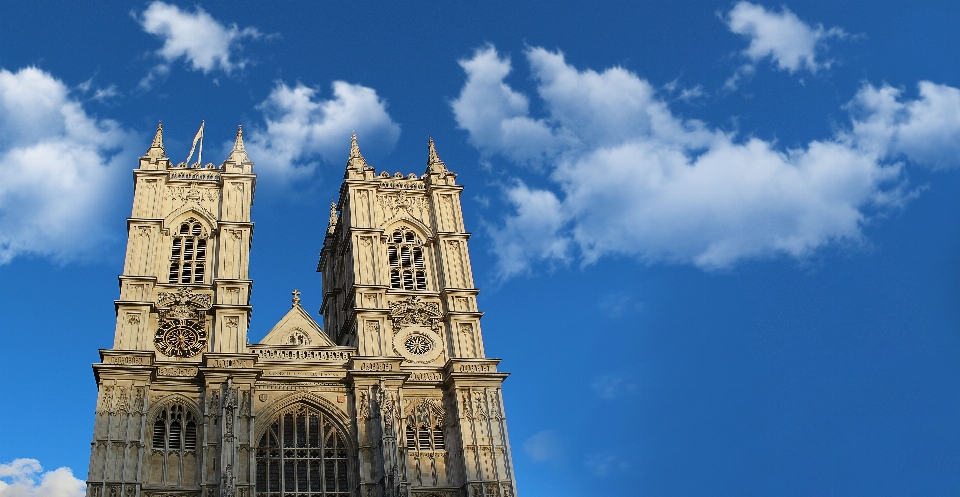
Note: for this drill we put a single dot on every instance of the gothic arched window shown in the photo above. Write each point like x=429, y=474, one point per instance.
x=302, y=454
x=405, y=252
x=188, y=255
x=175, y=429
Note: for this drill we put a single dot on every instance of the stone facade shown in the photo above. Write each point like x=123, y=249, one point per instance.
x=394, y=398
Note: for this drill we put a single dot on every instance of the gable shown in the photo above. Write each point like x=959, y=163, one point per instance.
x=296, y=327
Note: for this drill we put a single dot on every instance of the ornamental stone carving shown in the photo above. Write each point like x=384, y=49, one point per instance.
x=414, y=311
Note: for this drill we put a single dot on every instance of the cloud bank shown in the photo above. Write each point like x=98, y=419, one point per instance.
x=26, y=478
x=300, y=127
x=625, y=176
x=56, y=162
x=203, y=42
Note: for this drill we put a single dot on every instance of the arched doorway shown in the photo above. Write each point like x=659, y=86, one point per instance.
x=302, y=454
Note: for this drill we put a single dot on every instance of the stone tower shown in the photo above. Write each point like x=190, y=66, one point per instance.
x=395, y=398
x=184, y=307
x=398, y=287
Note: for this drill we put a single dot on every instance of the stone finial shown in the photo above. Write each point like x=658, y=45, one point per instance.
x=332, y=225
x=156, y=148
x=434, y=164
x=296, y=297
x=239, y=154
x=356, y=160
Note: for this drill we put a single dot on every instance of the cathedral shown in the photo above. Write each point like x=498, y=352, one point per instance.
x=392, y=397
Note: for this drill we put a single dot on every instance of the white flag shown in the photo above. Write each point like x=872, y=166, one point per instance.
x=198, y=138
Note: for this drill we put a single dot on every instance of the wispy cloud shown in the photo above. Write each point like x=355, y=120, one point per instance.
x=606, y=463
x=625, y=176
x=56, y=162
x=544, y=446
x=618, y=304
x=611, y=386
x=203, y=42
x=26, y=478
x=301, y=128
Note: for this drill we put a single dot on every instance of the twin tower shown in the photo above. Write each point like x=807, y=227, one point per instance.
x=392, y=397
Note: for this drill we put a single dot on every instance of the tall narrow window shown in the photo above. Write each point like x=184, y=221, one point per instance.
x=405, y=254
x=438, y=437
x=188, y=254
x=160, y=430
x=190, y=436
x=411, y=438
x=423, y=437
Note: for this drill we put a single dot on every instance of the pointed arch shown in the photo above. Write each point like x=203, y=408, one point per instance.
x=406, y=219
x=174, y=398
x=303, y=446
x=191, y=209
x=267, y=415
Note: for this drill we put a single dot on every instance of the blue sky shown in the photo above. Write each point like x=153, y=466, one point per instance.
x=718, y=242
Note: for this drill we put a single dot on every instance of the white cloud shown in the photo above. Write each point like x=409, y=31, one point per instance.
x=300, y=127
x=496, y=116
x=541, y=447
x=56, y=162
x=927, y=130
x=534, y=233
x=790, y=42
x=632, y=178
x=196, y=36
x=23, y=478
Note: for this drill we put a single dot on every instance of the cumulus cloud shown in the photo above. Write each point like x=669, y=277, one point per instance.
x=56, y=162
x=201, y=40
x=498, y=117
x=781, y=36
x=925, y=130
x=26, y=478
x=534, y=233
x=301, y=127
x=631, y=178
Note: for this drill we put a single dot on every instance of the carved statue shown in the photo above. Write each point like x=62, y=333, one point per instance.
x=332, y=226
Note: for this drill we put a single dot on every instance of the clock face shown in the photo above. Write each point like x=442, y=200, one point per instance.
x=181, y=338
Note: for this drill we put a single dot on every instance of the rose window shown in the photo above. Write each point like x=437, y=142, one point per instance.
x=418, y=344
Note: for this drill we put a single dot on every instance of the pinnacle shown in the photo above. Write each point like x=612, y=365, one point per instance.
x=434, y=164
x=156, y=148
x=354, y=147
x=238, y=145
x=239, y=154
x=158, y=138
x=356, y=160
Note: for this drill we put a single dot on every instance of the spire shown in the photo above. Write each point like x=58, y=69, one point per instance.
x=156, y=148
x=356, y=160
x=239, y=154
x=332, y=226
x=158, y=138
x=434, y=164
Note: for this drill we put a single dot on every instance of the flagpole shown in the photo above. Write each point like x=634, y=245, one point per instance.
x=200, y=154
